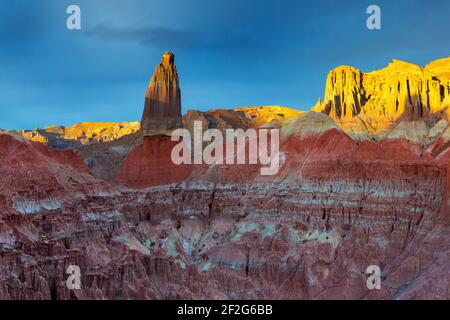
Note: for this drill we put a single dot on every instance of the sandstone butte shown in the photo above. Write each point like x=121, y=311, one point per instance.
x=340, y=203
x=370, y=104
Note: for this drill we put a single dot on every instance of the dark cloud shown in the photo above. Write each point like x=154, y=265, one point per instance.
x=166, y=37
x=149, y=35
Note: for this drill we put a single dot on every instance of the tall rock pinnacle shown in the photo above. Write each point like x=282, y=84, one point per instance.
x=162, y=111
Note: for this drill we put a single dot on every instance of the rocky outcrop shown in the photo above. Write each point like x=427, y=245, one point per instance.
x=268, y=115
x=161, y=231
x=104, y=146
x=104, y=159
x=150, y=164
x=81, y=134
x=162, y=110
x=336, y=207
x=440, y=67
x=31, y=170
x=365, y=104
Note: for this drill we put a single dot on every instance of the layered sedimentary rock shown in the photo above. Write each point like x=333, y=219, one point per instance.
x=336, y=207
x=105, y=145
x=81, y=134
x=31, y=170
x=162, y=110
x=150, y=164
x=102, y=145
x=370, y=103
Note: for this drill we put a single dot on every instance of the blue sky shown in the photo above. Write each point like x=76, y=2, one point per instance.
x=228, y=53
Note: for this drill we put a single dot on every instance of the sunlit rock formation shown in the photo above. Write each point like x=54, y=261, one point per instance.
x=162, y=110
x=83, y=133
x=105, y=145
x=150, y=162
x=336, y=206
x=260, y=116
x=102, y=145
x=365, y=104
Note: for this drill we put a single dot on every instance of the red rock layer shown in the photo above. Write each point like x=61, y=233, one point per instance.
x=33, y=169
x=311, y=235
x=313, y=240
x=444, y=159
x=150, y=164
x=336, y=207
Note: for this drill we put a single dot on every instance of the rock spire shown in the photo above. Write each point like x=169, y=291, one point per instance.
x=162, y=111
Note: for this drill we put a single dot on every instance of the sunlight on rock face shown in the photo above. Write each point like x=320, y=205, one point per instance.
x=366, y=104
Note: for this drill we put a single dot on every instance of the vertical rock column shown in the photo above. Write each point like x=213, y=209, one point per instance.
x=162, y=110
x=150, y=164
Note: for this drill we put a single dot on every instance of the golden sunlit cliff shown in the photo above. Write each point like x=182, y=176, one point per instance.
x=372, y=103
x=82, y=133
x=262, y=115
